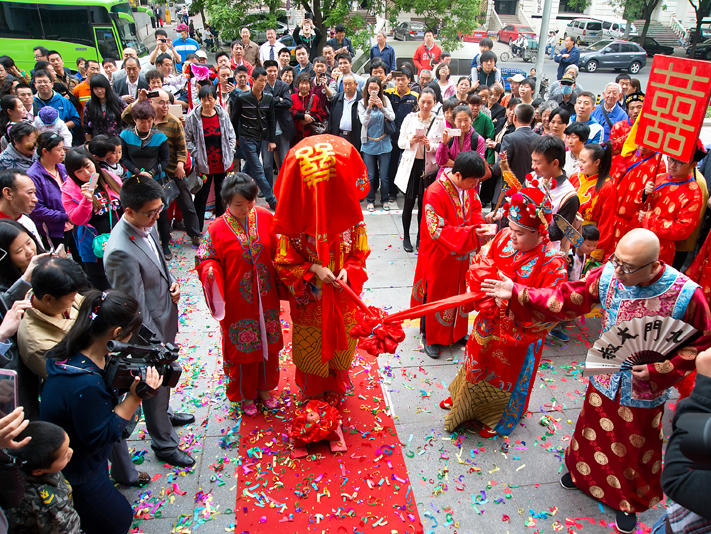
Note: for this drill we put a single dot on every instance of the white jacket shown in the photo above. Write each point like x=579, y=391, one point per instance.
x=409, y=127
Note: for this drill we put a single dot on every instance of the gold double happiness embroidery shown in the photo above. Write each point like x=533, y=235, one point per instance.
x=317, y=163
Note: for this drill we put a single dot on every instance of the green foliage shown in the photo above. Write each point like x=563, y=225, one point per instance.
x=579, y=4
x=462, y=17
x=225, y=15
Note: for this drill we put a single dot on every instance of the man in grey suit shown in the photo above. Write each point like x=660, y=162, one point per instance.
x=135, y=265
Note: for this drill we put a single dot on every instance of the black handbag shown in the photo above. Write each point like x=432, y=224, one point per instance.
x=170, y=191
x=317, y=127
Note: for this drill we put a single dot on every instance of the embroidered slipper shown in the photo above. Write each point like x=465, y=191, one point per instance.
x=270, y=402
x=487, y=432
x=249, y=408
x=446, y=404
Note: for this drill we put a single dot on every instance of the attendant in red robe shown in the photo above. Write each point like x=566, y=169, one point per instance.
x=234, y=263
x=630, y=184
x=598, y=204
x=502, y=355
x=700, y=269
x=450, y=232
x=674, y=204
x=615, y=453
x=618, y=135
x=321, y=245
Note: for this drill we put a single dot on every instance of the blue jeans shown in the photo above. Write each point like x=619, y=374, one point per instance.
x=552, y=50
x=251, y=150
x=377, y=166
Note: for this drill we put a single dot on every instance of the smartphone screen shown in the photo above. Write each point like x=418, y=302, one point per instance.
x=152, y=94
x=8, y=391
x=455, y=132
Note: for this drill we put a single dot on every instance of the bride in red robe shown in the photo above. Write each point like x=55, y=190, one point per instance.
x=502, y=354
x=320, y=245
x=234, y=263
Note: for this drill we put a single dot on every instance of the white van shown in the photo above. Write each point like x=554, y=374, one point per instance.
x=615, y=29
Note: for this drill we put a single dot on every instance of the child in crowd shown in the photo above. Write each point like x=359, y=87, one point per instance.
x=47, y=120
x=47, y=502
x=579, y=263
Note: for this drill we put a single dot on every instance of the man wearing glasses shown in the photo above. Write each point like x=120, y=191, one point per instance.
x=134, y=264
x=676, y=205
x=615, y=454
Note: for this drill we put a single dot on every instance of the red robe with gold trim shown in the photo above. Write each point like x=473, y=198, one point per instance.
x=700, y=269
x=244, y=282
x=317, y=373
x=448, y=237
x=615, y=454
x=599, y=207
x=630, y=185
x=674, y=212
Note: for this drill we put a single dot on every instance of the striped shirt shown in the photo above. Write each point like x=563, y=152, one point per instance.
x=173, y=130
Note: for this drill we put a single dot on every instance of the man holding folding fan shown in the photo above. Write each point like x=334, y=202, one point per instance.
x=615, y=454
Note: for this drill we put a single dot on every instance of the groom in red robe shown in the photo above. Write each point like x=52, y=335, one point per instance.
x=450, y=232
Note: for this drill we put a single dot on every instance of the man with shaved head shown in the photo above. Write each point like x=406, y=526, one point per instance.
x=615, y=454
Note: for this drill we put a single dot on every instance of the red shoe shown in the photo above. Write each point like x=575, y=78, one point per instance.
x=487, y=432
x=446, y=404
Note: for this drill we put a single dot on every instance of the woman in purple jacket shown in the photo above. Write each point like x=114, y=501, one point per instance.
x=48, y=174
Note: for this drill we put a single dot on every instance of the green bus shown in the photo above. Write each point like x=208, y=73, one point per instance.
x=92, y=29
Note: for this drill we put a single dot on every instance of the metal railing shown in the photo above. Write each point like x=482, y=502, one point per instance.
x=679, y=30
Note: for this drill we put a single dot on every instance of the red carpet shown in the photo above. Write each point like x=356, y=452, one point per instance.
x=366, y=489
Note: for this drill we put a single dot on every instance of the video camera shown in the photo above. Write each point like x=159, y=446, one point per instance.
x=126, y=361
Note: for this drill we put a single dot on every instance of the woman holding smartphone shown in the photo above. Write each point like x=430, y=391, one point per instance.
x=374, y=110
x=420, y=134
x=91, y=198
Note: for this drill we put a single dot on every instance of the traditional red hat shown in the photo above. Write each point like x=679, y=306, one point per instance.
x=529, y=207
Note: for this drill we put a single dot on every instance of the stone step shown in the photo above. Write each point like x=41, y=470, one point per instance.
x=509, y=19
x=661, y=33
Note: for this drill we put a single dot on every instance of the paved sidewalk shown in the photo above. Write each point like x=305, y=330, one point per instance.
x=461, y=482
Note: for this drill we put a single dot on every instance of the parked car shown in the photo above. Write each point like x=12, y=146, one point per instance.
x=615, y=29
x=474, y=37
x=584, y=31
x=257, y=24
x=614, y=55
x=288, y=42
x=705, y=32
x=459, y=66
x=703, y=50
x=508, y=34
x=412, y=30
x=652, y=47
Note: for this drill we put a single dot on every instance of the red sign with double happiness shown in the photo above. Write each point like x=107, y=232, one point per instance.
x=674, y=106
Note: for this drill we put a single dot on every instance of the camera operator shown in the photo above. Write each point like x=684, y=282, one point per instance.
x=685, y=482
x=134, y=265
x=76, y=398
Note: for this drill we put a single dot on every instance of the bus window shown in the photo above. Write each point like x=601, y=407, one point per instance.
x=67, y=23
x=18, y=20
x=106, y=43
x=128, y=36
